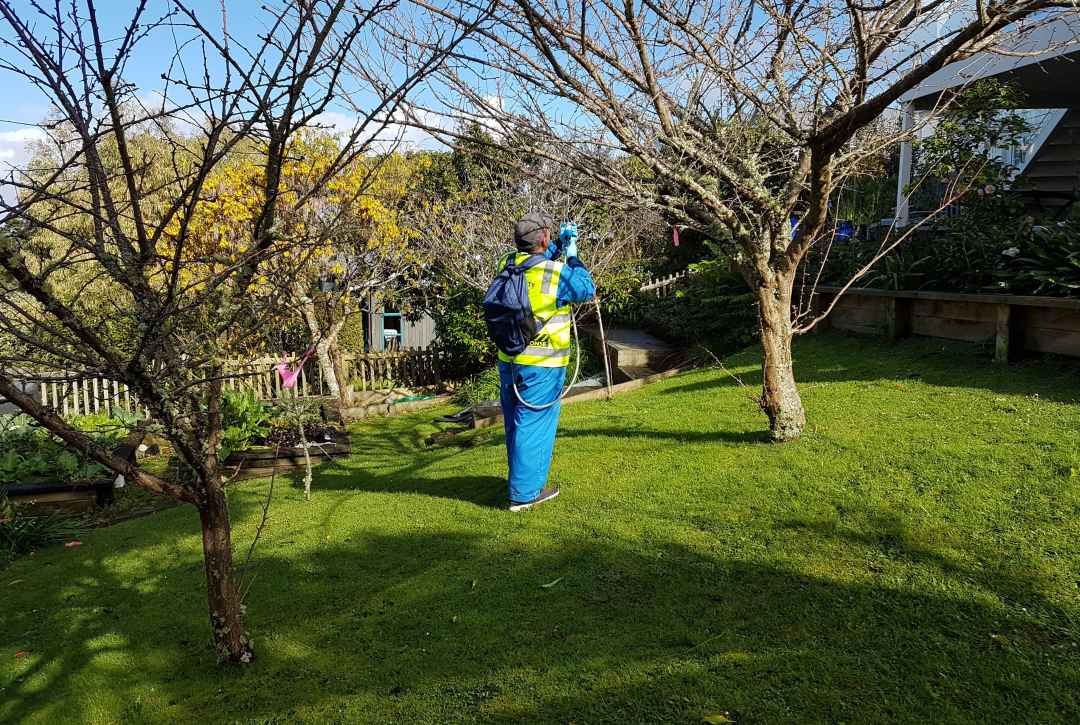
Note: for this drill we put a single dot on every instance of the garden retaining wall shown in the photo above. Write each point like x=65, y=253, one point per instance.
x=1014, y=324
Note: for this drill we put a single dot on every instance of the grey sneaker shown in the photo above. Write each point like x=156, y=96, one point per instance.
x=547, y=494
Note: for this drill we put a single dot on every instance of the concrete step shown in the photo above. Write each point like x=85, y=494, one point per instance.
x=635, y=348
x=625, y=374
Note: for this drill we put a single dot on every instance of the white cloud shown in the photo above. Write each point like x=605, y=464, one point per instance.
x=396, y=134
x=21, y=136
x=15, y=153
x=13, y=145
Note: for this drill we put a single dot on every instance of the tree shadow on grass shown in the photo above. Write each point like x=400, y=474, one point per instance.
x=391, y=460
x=486, y=491
x=839, y=358
x=885, y=535
x=403, y=468
x=79, y=593
x=679, y=436
x=441, y=626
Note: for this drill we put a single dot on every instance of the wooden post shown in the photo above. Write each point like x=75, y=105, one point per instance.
x=898, y=318
x=903, y=209
x=1008, y=333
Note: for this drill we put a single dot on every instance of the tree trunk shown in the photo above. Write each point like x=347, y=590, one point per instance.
x=307, y=462
x=780, y=395
x=326, y=366
x=326, y=351
x=223, y=596
x=344, y=390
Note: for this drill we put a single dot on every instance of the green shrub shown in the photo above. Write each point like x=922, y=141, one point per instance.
x=29, y=452
x=106, y=428
x=714, y=308
x=991, y=246
x=20, y=534
x=480, y=388
x=1048, y=260
x=244, y=419
x=461, y=335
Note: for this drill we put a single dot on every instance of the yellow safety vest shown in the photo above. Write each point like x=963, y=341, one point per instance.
x=551, y=346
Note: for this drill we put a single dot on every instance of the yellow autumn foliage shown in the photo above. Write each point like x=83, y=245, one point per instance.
x=323, y=207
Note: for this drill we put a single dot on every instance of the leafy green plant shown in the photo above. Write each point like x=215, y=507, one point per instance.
x=990, y=246
x=244, y=420
x=618, y=288
x=108, y=428
x=29, y=452
x=714, y=308
x=460, y=333
x=981, y=119
x=1048, y=261
x=480, y=388
x=21, y=534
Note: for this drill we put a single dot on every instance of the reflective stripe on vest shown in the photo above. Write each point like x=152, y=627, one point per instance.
x=551, y=346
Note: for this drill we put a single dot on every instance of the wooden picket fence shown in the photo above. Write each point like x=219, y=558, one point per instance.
x=663, y=286
x=367, y=371
x=407, y=369
x=87, y=396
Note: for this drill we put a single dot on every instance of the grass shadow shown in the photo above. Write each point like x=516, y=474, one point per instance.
x=443, y=627
x=837, y=358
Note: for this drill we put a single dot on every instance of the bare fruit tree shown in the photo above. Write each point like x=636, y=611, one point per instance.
x=740, y=114
x=107, y=266
x=467, y=235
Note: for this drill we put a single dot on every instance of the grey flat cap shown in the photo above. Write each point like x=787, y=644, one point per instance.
x=529, y=229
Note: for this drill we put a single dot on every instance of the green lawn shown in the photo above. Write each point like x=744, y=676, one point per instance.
x=914, y=558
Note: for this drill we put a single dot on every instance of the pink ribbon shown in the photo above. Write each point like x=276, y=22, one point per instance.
x=675, y=235
x=288, y=374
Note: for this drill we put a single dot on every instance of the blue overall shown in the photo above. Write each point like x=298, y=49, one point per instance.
x=530, y=433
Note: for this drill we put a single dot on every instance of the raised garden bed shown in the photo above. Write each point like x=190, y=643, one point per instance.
x=1014, y=324
x=74, y=496
x=262, y=461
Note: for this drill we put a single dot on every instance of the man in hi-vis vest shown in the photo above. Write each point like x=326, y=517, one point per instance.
x=539, y=371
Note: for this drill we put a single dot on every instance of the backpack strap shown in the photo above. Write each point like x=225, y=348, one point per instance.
x=529, y=263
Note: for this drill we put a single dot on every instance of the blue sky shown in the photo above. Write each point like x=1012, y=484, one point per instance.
x=23, y=105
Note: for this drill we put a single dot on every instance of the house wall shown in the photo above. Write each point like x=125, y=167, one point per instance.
x=418, y=334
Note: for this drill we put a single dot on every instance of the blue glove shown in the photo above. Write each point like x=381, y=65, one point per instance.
x=568, y=239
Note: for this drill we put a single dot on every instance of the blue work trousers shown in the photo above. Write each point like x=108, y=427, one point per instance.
x=530, y=433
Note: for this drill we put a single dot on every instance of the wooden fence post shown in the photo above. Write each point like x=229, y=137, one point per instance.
x=898, y=318
x=1009, y=333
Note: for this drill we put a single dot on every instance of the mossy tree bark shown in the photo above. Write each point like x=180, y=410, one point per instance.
x=780, y=397
x=222, y=593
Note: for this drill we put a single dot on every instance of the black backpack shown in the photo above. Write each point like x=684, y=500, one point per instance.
x=507, y=310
